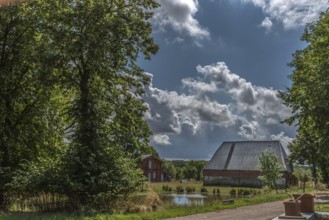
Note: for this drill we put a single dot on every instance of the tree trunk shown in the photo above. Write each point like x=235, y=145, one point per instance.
x=314, y=174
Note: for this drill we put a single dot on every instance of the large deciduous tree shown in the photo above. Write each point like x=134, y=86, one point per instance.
x=309, y=94
x=96, y=45
x=69, y=78
x=28, y=112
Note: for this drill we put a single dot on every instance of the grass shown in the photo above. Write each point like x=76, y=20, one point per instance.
x=165, y=212
x=160, y=214
x=183, y=211
x=157, y=187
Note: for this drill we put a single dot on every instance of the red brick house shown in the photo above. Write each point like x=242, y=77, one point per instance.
x=237, y=164
x=152, y=168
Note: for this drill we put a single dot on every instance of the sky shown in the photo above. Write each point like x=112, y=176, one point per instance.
x=220, y=66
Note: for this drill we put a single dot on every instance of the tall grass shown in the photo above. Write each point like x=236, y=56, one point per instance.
x=159, y=214
x=41, y=202
x=136, y=205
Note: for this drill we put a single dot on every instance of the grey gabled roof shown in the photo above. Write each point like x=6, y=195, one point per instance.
x=243, y=155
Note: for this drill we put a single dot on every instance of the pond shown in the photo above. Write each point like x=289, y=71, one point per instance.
x=177, y=199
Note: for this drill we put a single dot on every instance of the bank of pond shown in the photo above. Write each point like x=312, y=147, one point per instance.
x=161, y=201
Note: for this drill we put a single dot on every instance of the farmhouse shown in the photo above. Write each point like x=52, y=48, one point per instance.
x=236, y=164
x=152, y=168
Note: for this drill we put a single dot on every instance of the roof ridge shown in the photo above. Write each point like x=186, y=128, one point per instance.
x=252, y=141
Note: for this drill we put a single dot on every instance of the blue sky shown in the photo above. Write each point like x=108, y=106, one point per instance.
x=219, y=67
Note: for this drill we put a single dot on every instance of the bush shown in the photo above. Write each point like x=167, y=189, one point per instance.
x=166, y=188
x=233, y=192
x=179, y=189
x=190, y=189
x=244, y=192
x=203, y=190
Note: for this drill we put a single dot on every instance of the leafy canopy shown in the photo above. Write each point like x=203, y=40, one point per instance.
x=308, y=96
x=270, y=169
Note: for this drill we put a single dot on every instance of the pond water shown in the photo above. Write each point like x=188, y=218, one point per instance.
x=176, y=199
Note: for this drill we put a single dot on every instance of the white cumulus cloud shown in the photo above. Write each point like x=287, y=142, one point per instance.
x=267, y=24
x=161, y=139
x=285, y=140
x=291, y=13
x=215, y=103
x=180, y=15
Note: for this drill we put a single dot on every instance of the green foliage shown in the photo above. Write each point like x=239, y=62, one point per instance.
x=190, y=172
x=308, y=97
x=305, y=149
x=179, y=189
x=71, y=108
x=203, y=190
x=30, y=125
x=190, y=189
x=270, y=169
x=159, y=214
x=166, y=188
x=169, y=167
x=186, y=169
x=233, y=192
x=179, y=174
x=303, y=175
x=246, y=192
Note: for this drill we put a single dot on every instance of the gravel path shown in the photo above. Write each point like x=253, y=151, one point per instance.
x=262, y=211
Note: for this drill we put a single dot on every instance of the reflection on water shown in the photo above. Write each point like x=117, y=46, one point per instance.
x=186, y=199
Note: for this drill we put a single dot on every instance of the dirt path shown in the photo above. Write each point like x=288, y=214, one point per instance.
x=263, y=211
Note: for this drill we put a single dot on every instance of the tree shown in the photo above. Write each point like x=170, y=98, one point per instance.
x=29, y=126
x=95, y=45
x=190, y=171
x=86, y=50
x=270, y=169
x=168, y=167
x=199, y=165
x=305, y=150
x=309, y=94
x=303, y=175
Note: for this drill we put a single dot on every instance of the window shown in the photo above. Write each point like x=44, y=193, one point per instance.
x=150, y=164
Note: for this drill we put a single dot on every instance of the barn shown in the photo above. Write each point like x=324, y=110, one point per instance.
x=236, y=164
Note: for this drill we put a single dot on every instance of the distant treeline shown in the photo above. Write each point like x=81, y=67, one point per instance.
x=182, y=169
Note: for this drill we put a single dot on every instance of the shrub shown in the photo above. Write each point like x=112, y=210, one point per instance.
x=179, y=189
x=190, y=189
x=203, y=190
x=166, y=188
x=233, y=192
